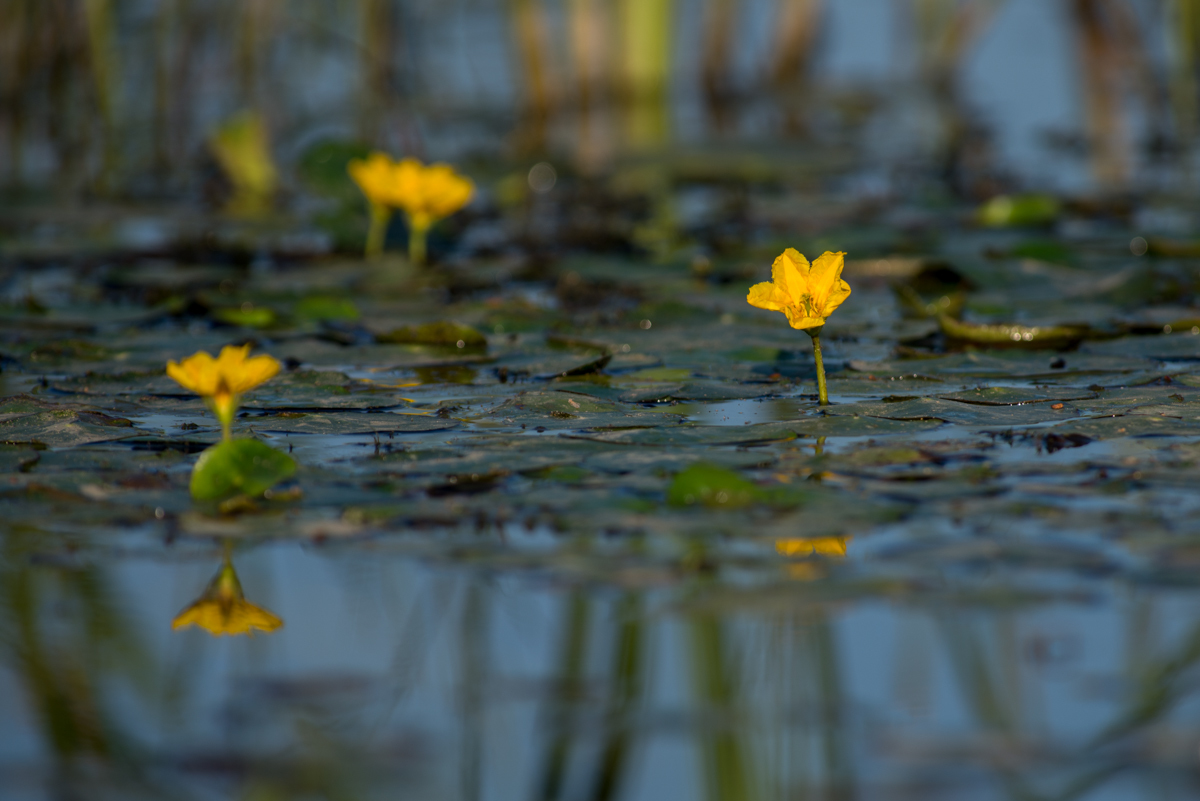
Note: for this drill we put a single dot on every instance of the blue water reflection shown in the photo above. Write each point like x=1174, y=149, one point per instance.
x=393, y=676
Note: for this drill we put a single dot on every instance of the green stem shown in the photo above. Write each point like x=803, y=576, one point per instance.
x=822, y=390
x=416, y=242
x=379, y=221
x=224, y=414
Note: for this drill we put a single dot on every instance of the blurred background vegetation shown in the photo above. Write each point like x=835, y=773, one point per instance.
x=128, y=99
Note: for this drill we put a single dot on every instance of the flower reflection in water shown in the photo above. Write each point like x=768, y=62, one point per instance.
x=223, y=608
x=810, y=546
x=803, y=547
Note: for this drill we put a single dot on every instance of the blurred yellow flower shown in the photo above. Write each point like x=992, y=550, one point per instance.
x=374, y=177
x=222, y=381
x=810, y=546
x=807, y=294
x=223, y=608
x=425, y=194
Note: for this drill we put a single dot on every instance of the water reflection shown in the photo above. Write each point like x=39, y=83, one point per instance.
x=223, y=608
x=398, y=677
x=808, y=546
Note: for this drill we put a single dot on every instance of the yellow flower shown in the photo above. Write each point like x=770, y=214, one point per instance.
x=222, y=381
x=425, y=194
x=223, y=608
x=806, y=294
x=809, y=546
x=374, y=178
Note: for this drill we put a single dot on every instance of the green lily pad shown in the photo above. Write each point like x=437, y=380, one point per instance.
x=445, y=333
x=1006, y=211
x=239, y=467
x=710, y=485
x=1033, y=337
x=247, y=315
x=322, y=308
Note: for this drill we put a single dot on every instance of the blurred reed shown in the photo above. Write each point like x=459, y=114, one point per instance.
x=531, y=38
x=716, y=63
x=944, y=31
x=797, y=23
x=97, y=94
x=1113, y=65
x=1100, y=57
x=727, y=772
x=56, y=626
x=646, y=28
x=590, y=35
x=1183, y=35
x=563, y=704
x=379, y=44
x=105, y=76
x=624, y=699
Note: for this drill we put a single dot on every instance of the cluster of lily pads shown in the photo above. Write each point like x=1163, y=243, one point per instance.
x=233, y=471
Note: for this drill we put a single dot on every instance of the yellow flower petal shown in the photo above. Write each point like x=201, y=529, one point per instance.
x=222, y=381
x=240, y=374
x=373, y=176
x=197, y=373
x=425, y=194
x=764, y=296
x=800, y=320
x=825, y=277
x=806, y=293
x=790, y=273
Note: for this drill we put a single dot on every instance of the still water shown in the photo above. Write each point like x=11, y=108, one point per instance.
x=398, y=676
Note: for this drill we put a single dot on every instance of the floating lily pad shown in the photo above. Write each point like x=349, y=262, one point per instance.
x=713, y=486
x=239, y=467
x=448, y=334
x=1019, y=210
x=323, y=308
x=1054, y=337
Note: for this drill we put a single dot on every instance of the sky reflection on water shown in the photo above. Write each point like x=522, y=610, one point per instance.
x=392, y=675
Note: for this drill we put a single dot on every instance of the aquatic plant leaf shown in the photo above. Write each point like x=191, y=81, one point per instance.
x=445, y=333
x=64, y=427
x=322, y=308
x=247, y=315
x=713, y=486
x=239, y=467
x=1005, y=211
x=1055, y=337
